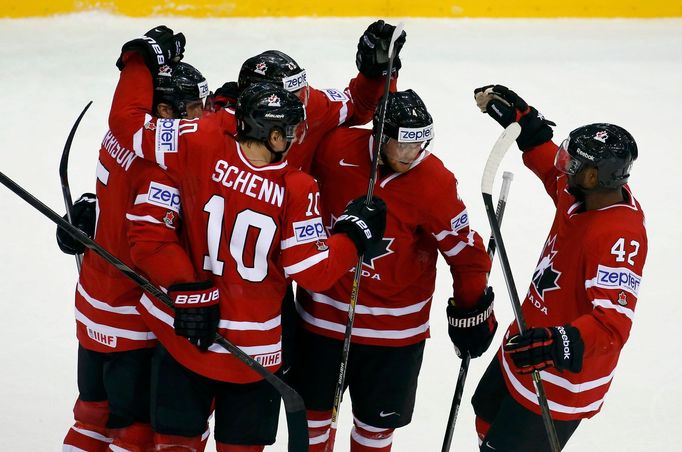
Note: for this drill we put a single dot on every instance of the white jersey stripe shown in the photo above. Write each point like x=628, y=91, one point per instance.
x=608, y=304
x=553, y=406
x=146, y=218
x=454, y=251
x=361, y=332
x=112, y=331
x=168, y=320
x=250, y=326
x=103, y=306
x=306, y=263
x=575, y=387
x=362, y=309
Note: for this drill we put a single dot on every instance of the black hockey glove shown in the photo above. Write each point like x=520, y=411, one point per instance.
x=472, y=329
x=365, y=225
x=159, y=47
x=197, y=311
x=372, y=55
x=539, y=348
x=505, y=107
x=83, y=215
x=224, y=97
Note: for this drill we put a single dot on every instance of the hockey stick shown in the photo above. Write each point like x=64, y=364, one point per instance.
x=341, y=381
x=507, y=178
x=501, y=146
x=64, y=176
x=293, y=403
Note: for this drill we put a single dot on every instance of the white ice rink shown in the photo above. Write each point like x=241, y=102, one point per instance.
x=628, y=72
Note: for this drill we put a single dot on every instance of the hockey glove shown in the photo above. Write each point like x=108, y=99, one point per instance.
x=83, y=215
x=159, y=47
x=372, y=55
x=365, y=225
x=224, y=97
x=539, y=348
x=472, y=329
x=197, y=311
x=505, y=107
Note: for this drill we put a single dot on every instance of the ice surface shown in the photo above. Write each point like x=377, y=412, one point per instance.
x=575, y=71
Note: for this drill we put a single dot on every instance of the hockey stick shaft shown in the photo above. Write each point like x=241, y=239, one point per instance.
x=293, y=403
x=507, y=178
x=496, y=156
x=340, y=383
x=64, y=175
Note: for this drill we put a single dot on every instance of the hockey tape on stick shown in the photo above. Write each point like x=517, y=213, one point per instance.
x=500, y=148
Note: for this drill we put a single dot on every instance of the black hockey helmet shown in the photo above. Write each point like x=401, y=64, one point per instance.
x=273, y=66
x=406, y=120
x=179, y=84
x=608, y=147
x=263, y=107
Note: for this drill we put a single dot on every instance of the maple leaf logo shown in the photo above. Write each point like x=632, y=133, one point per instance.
x=545, y=276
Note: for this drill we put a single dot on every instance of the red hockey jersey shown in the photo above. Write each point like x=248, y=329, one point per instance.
x=130, y=192
x=588, y=275
x=248, y=228
x=425, y=216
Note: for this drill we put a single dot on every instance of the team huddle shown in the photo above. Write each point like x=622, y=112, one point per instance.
x=224, y=199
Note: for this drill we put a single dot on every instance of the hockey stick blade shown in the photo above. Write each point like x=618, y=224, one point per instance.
x=293, y=403
x=497, y=153
x=64, y=175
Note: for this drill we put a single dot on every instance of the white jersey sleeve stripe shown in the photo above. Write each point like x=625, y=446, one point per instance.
x=455, y=250
x=146, y=218
x=608, y=304
x=306, y=263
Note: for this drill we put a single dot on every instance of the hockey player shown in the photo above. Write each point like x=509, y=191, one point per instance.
x=580, y=304
x=426, y=216
x=326, y=109
x=115, y=345
x=251, y=222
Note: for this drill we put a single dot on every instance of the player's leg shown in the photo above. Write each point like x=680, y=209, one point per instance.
x=314, y=377
x=289, y=327
x=127, y=378
x=246, y=416
x=503, y=425
x=383, y=392
x=91, y=411
x=180, y=404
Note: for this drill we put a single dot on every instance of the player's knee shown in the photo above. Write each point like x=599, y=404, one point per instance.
x=367, y=438
x=482, y=428
x=222, y=447
x=176, y=443
x=319, y=424
x=136, y=437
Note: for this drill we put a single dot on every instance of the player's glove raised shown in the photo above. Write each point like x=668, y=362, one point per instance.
x=505, y=107
x=364, y=224
x=197, y=311
x=224, y=97
x=539, y=348
x=159, y=47
x=372, y=55
x=83, y=215
x=471, y=330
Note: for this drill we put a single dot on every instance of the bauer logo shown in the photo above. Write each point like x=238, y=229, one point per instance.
x=167, y=135
x=415, y=135
x=309, y=230
x=295, y=82
x=164, y=196
x=617, y=278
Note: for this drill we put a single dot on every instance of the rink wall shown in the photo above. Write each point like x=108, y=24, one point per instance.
x=351, y=8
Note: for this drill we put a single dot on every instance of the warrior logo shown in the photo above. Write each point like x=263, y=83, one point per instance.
x=545, y=277
x=261, y=68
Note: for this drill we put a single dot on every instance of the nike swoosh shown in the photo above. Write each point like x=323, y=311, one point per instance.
x=382, y=414
x=487, y=444
x=342, y=163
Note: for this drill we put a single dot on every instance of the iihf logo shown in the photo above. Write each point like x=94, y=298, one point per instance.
x=602, y=136
x=169, y=219
x=622, y=299
x=261, y=68
x=273, y=101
